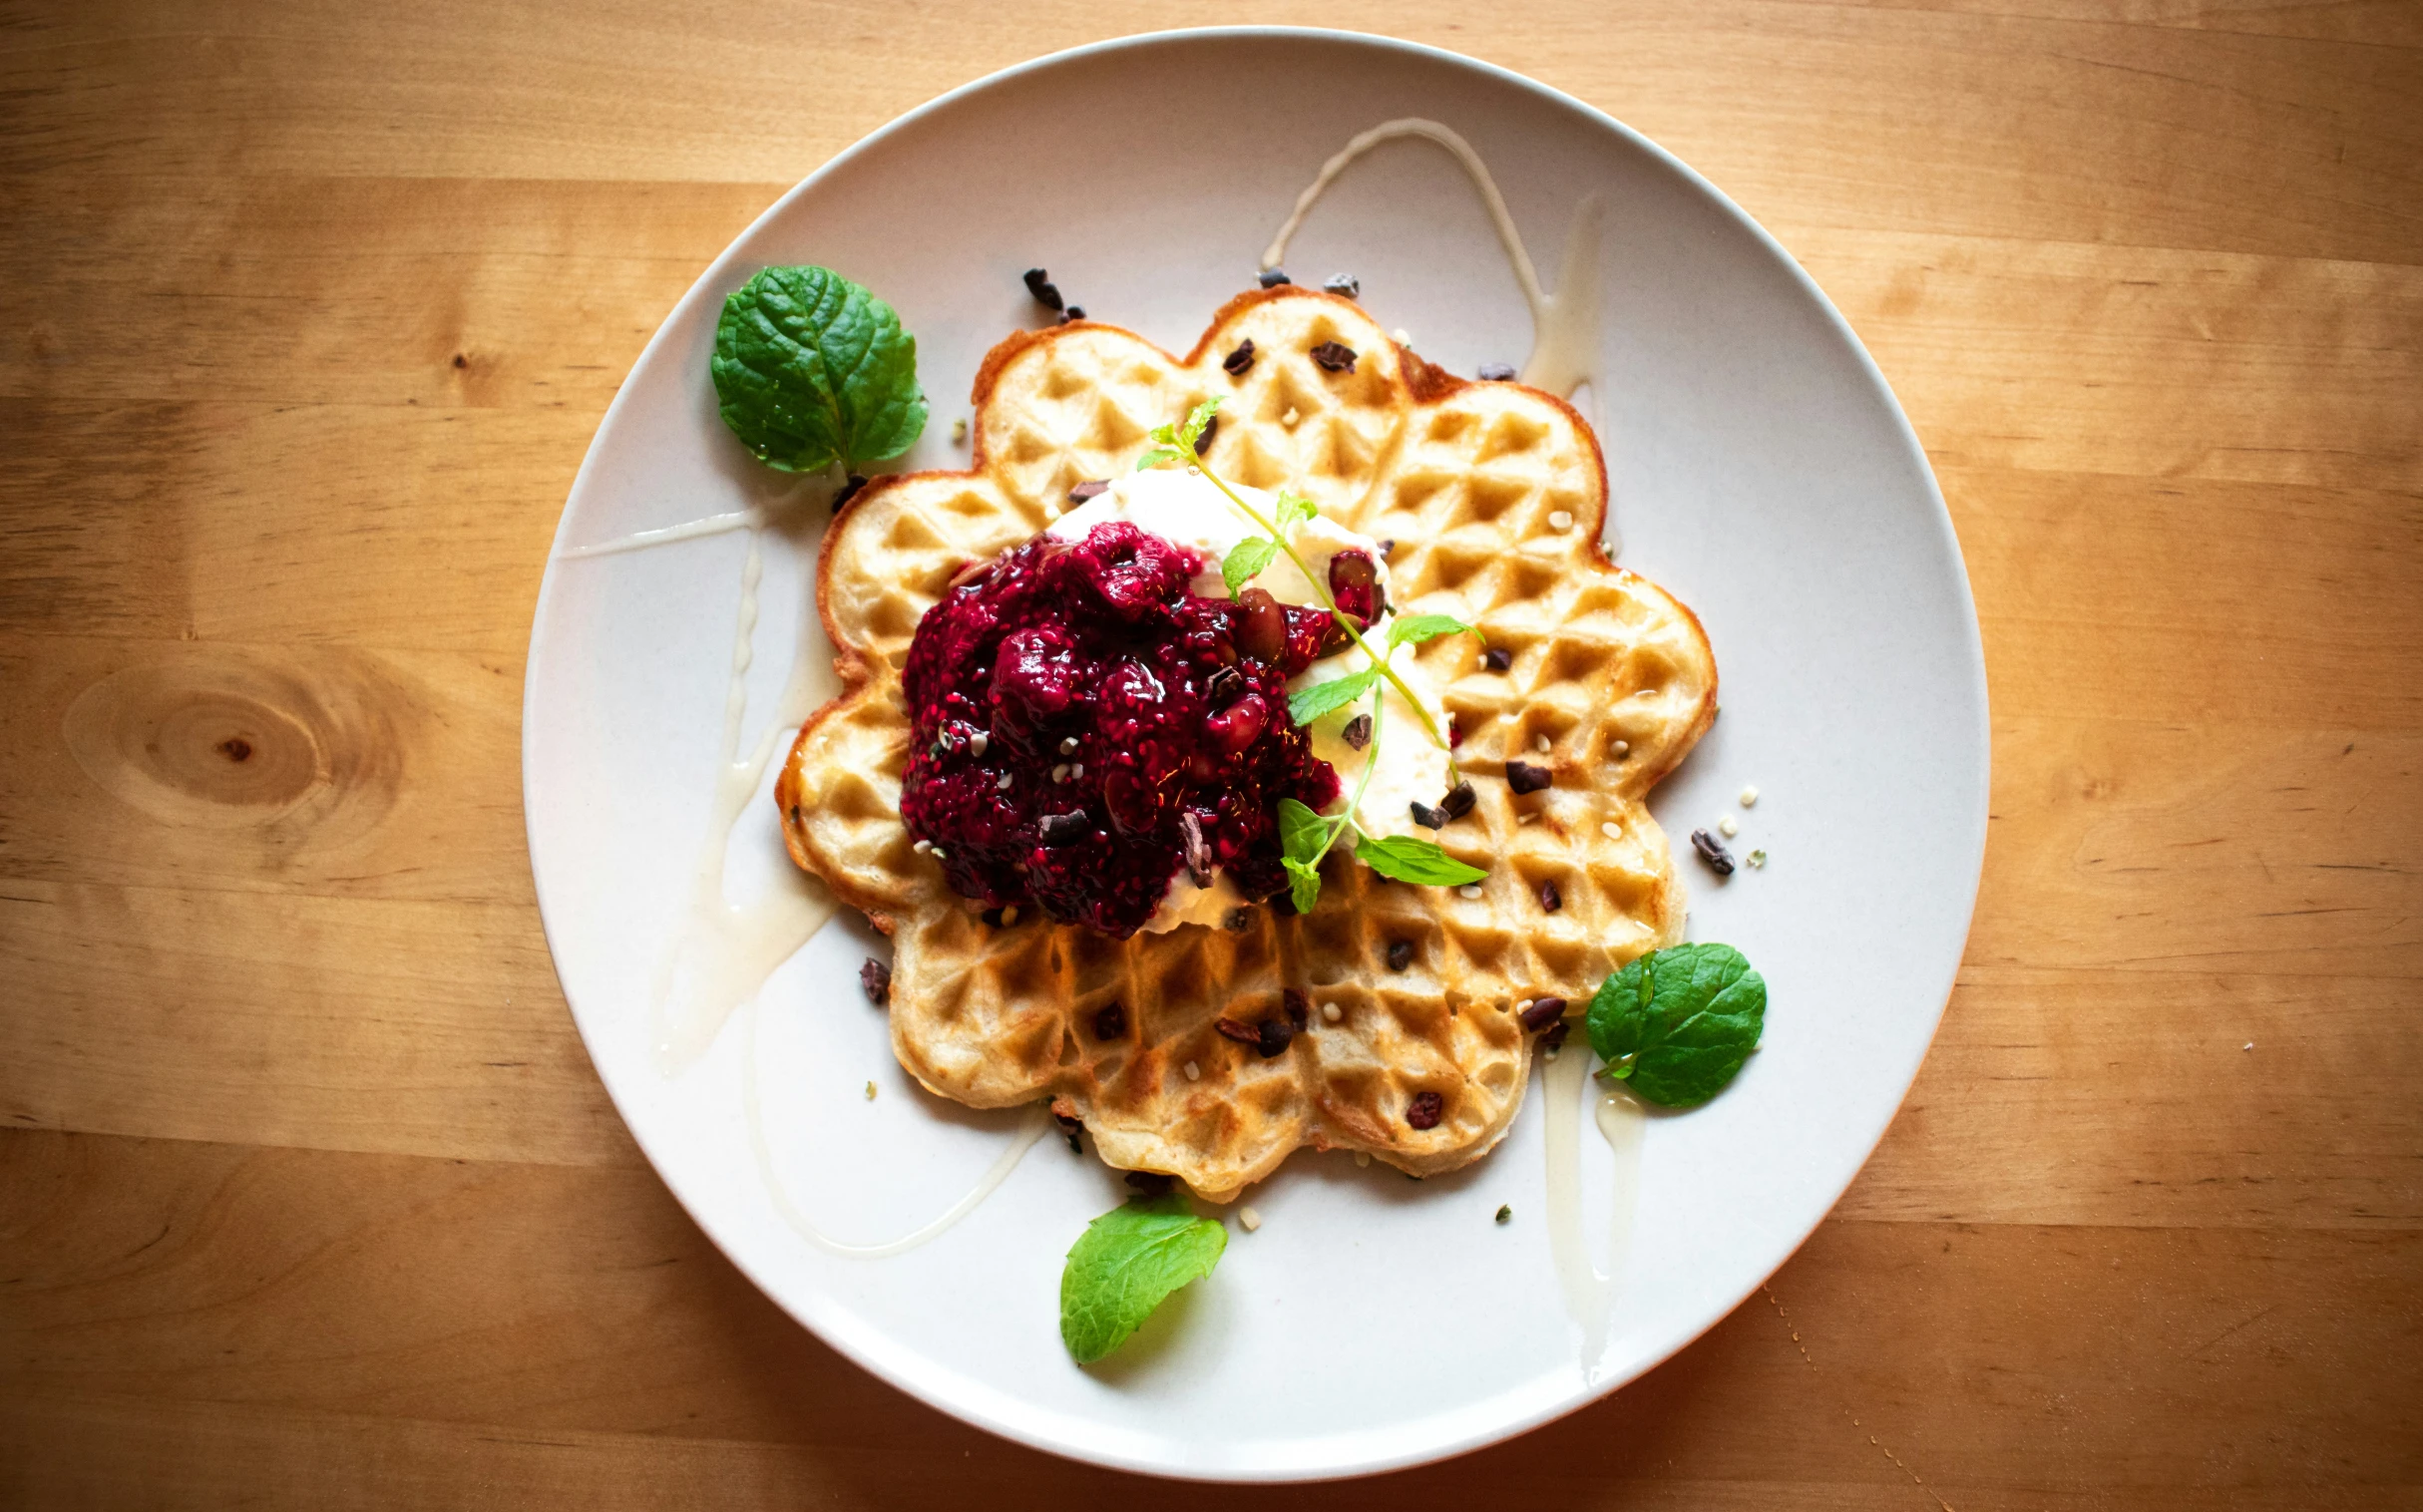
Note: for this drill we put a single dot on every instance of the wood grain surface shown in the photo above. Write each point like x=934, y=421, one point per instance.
x=308, y=1195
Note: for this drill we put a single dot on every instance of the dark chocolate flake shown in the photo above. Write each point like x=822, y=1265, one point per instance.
x=1334, y=357
x=876, y=978
x=1223, y=686
x=1196, y=853
x=1424, y=1111
x=1344, y=284
x=1088, y=489
x=1711, y=851
x=1358, y=732
x=1523, y=777
x=1109, y=1021
x=1497, y=658
x=1401, y=954
x=1428, y=818
x=1544, y=1012
x=1038, y=284
x=1272, y=278
x=1459, y=801
x=1241, y=361
x=1551, y=898
x=1496, y=372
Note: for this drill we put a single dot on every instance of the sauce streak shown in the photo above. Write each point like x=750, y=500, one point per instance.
x=1589, y=1292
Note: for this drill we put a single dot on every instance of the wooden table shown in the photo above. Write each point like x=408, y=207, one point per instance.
x=308, y=1196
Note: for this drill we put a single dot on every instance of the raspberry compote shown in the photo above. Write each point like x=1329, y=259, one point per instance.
x=1085, y=729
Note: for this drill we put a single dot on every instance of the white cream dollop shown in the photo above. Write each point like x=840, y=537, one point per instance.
x=1186, y=508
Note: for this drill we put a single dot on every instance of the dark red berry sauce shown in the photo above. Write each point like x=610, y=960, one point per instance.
x=1094, y=661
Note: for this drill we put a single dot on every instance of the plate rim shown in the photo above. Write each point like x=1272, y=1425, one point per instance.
x=841, y=1340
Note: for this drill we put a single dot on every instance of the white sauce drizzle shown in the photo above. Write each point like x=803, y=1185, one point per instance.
x=1590, y=1292
x=712, y=525
x=1038, y=1120
x=1564, y=325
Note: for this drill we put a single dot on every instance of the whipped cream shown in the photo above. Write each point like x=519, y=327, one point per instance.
x=1186, y=508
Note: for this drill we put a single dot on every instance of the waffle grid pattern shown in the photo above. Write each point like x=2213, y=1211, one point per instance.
x=1496, y=496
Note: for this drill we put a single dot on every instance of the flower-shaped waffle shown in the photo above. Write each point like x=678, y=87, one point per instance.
x=1413, y=1049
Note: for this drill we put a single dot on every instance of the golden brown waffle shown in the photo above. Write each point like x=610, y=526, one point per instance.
x=1496, y=496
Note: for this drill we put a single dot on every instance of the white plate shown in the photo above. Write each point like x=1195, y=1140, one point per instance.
x=1762, y=471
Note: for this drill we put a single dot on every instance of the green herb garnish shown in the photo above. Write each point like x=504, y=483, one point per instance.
x=1678, y=1023
x=1304, y=836
x=1127, y=1263
x=811, y=370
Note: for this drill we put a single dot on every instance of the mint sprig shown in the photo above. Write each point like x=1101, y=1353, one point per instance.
x=811, y=369
x=1678, y=1023
x=1127, y=1263
x=1304, y=836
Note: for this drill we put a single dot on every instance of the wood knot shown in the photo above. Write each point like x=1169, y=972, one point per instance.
x=235, y=748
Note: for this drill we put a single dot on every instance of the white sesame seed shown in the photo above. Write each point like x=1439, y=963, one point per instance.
x=1561, y=520
x=978, y=743
x=1729, y=827
x=1541, y=744
x=1010, y=915
x=936, y=853
x=922, y=847
x=1331, y=1011
x=1620, y=748
x=870, y=1091
x=1469, y=892
x=1750, y=798
x=2249, y=1046
x=1250, y=1219
x=1193, y=1071
x=1610, y=831
x=1290, y=417
x=1003, y=784
x=1363, y=1157
x=959, y=429
x=1068, y=746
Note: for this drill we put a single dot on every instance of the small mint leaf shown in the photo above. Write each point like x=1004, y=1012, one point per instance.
x=1302, y=833
x=1126, y=1265
x=1679, y=1022
x=1295, y=510
x=1246, y=562
x=1311, y=704
x=1417, y=861
x=1192, y=431
x=1413, y=629
x=1304, y=883
x=811, y=369
x=1154, y=456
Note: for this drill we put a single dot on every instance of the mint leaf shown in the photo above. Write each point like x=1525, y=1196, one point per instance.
x=1311, y=704
x=1679, y=1022
x=1127, y=1263
x=1295, y=510
x=1413, y=629
x=1415, y=860
x=1303, y=883
x=1302, y=833
x=1154, y=456
x=1193, y=432
x=810, y=369
x=1244, y=564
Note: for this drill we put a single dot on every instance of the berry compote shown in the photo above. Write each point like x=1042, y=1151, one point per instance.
x=1085, y=728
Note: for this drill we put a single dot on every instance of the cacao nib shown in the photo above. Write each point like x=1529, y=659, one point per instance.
x=1211, y=427
x=1038, y=284
x=1344, y=284
x=1544, y=1012
x=1459, y=801
x=1358, y=732
x=1272, y=278
x=1241, y=361
x=1551, y=897
x=1085, y=491
x=1523, y=777
x=876, y=978
x=1497, y=658
x=1237, y=1029
x=1424, y=1111
x=1401, y=954
x=1711, y=851
x=1064, y=829
x=1334, y=357
x=1428, y=818
x=1299, y=1006
x=1496, y=372
x=1074, y=312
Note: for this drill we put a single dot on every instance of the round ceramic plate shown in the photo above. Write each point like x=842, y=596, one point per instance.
x=1761, y=470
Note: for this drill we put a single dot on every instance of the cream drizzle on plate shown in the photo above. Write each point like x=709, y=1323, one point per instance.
x=1590, y=1292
